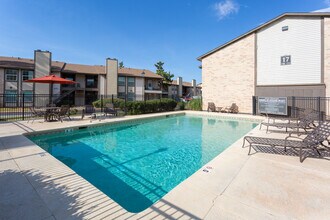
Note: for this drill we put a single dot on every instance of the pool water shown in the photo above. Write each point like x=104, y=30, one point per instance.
x=137, y=164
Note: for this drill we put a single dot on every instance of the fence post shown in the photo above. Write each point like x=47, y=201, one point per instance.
x=293, y=112
x=112, y=98
x=23, y=106
x=254, y=105
x=319, y=107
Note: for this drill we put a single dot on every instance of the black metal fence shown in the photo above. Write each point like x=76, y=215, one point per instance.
x=20, y=106
x=296, y=103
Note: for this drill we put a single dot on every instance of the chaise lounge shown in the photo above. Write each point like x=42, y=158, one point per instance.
x=313, y=141
x=306, y=122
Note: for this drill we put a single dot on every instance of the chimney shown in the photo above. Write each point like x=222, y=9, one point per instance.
x=179, y=82
x=111, y=76
x=193, y=84
x=42, y=67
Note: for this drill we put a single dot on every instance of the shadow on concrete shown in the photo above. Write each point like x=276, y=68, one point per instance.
x=290, y=152
x=67, y=197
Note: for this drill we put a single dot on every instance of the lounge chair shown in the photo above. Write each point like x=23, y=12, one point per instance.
x=231, y=109
x=306, y=122
x=89, y=111
x=62, y=113
x=109, y=109
x=313, y=141
x=211, y=107
x=300, y=113
x=36, y=114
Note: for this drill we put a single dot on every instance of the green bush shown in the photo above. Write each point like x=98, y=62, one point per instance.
x=180, y=106
x=195, y=104
x=117, y=103
x=140, y=107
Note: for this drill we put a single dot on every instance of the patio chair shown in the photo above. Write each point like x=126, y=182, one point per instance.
x=300, y=113
x=109, y=109
x=231, y=109
x=88, y=111
x=35, y=114
x=62, y=113
x=306, y=122
x=211, y=107
x=313, y=141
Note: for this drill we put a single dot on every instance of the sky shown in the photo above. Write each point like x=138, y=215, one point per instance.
x=138, y=32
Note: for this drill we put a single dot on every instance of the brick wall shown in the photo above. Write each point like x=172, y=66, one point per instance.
x=228, y=75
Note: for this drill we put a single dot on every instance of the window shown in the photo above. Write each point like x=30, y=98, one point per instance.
x=121, y=95
x=11, y=96
x=11, y=75
x=71, y=77
x=121, y=81
x=28, y=96
x=131, y=81
x=27, y=74
x=130, y=96
x=91, y=81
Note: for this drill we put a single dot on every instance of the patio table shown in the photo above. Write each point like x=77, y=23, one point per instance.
x=50, y=113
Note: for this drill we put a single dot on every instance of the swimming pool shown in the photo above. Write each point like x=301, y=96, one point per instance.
x=137, y=163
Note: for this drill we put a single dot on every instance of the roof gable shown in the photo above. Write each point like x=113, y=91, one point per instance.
x=304, y=14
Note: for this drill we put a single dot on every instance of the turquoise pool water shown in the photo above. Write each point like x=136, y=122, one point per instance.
x=137, y=164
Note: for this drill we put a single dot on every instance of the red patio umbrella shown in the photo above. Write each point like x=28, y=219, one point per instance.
x=51, y=79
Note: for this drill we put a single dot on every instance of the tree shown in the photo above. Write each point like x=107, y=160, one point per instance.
x=121, y=64
x=167, y=76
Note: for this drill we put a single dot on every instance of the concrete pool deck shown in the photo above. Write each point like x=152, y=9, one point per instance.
x=264, y=185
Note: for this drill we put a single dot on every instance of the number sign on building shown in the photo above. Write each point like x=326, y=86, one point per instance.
x=286, y=60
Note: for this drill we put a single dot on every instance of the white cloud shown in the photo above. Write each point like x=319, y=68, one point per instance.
x=323, y=10
x=225, y=8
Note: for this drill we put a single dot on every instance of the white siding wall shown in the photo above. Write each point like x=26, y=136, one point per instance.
x=302, y=41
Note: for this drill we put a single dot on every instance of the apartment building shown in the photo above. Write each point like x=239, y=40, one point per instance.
x=180, y=88
x=92, y=80
x=286, y=56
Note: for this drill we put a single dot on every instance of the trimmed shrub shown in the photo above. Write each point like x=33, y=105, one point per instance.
x=180, y=106
x=195, y=104
x=140, y=107
x=117, y=103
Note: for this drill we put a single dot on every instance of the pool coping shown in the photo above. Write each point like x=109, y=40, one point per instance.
x=198, y=197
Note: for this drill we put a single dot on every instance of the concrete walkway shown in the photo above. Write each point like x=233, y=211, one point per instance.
x=265, y=185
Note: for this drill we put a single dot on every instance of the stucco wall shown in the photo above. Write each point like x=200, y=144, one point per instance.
x=42, y=62
x=228, y=75
x=112, y=76
x=139, y=88
x=2, y=80
x=327, y=55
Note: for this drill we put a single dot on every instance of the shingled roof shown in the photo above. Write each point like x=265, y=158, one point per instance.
x=186, y=84
x=58, y=66
x=138, y=73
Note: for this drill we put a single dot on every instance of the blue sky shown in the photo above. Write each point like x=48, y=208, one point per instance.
x=137, y=32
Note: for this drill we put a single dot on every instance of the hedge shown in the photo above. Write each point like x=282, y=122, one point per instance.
x=194, y=104
x=141, y=107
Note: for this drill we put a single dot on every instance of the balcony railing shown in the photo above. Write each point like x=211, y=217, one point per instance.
x=152, y=88
x=72, y=86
